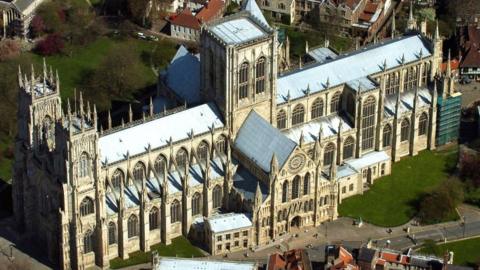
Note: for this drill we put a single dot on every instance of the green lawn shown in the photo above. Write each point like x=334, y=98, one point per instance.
x=5, y=163
x=77, y=61
x=391, y=201
x=180, y=247
x=466, y=252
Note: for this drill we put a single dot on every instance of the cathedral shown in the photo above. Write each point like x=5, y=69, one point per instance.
x=265, y=153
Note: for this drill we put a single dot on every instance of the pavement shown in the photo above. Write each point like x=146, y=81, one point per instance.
x=470, y=93
x=341, y=230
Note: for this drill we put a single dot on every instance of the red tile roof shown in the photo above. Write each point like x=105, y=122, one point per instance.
x=185, y=19
x=454, y=64
x=471, y=47
x=212, y=10
x=295, y=259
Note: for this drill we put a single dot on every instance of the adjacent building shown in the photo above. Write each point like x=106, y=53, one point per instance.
x=470, y=52
x=165, y=263
x=16, y=17
x=273, y=151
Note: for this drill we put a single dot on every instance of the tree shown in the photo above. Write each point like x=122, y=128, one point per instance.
x=37, y=26
x=52, y=44
x=53, y=16
x=440, y=203
x=9, y=49
x=138, y=10
x=116, y=78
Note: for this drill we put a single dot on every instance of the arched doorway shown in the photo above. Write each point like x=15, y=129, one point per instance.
x=296, y=222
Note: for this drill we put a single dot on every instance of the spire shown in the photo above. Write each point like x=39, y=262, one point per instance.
x=300, y=62
x=258, y=195
x=410, y=14
x=88, y=110
x=316, y=151
x=437, y=32
x=130, y=113
x=411, y=23
x=20, y=79
x=273, y=164
x=449, y=66
x=435, y=93
x=44, y=69
x=393, y=24
x=69, y=109
x=385, y=64
x=306, y=46
x=32, y=75
x=327, y=43
x=301, y=141
x=340, y=126
x=151, y=107
x=333, y=169
x=95, y=118
x=397, y=104
x=80, y=103
x=57, y=81
x=109, y=120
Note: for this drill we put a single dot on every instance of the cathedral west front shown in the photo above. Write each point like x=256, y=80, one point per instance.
x=265, y=153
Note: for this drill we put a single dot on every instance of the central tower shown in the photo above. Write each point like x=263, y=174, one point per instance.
x=239, y=65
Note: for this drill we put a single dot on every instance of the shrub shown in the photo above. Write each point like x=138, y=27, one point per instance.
x=52, y=44
x=439, y=204
x=37, y=26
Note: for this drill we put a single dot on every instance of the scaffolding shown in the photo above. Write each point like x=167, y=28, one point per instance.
x=448, y=118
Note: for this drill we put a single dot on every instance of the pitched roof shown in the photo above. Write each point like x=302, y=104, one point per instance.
x=351, y=66
x=472, y=48
x=210, y=11
x=186, y=19
x=252, y=7
x=258, y=141
x=228, y=222
x=157, y=133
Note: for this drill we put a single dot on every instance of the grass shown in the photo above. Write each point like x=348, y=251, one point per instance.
x=73, y=66
x=465, y=251
x=180, y=247
x=5, y=162
x=391, y=201
x=314, y=38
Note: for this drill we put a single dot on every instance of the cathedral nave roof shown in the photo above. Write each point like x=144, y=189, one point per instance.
x=407, y=100
x=158, y=132
x=367, y=160
x=246, y=183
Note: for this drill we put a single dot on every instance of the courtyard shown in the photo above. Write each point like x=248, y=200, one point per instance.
x=466, y=252
x=392, y=200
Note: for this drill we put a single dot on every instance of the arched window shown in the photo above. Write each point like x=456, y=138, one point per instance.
x=387, y=135
x=368, y=123
x=351, y=104
x=88, y=239
x=335, y=103
x=260, y=76
x=221, y=145
x=202, y=150
x=86, y=207
x=175, y=212
x=243, y=81
x=306, y=184
x=348, y=147
x=285, y=191
x=217, y=197
x=298, y=115
x=153, y=218
x=405, y=130
x=410, y=79
x=139, y=171
x=112, y=233
x=160, y=165
x=132, y=226
x=317, y=108
x=328, y=154
x=281, y=119
x=392, y=84
x=295, y=187
x=117, y=178
x=181, y=158
x=196, y=204
x=84, y=165
x=423, y=124
x=281, y=6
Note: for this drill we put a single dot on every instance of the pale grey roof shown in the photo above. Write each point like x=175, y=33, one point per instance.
x=183, y=75
x=351, y=66
x=246, y=183
x=258, y=141
x=157, y=133
x=407, y=99
x=252, y=7
x=322, y=54
x=201, y=264
x=368, y=160
x=311, y=129
x=345, y=171
x=228, y=222
x=238, y=31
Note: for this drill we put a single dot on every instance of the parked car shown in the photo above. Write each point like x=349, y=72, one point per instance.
x=152, y=38
x=141, y=35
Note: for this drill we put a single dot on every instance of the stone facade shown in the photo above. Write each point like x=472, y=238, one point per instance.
x=86, y=201
x=16, y=17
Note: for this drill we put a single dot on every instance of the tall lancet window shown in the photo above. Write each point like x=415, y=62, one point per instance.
x=260, y=76
x=243, y=81
x=368, y=123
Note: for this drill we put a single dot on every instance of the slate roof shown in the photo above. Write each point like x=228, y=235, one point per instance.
x=183, y=75
x=157, y=133
x=406, y=101
x=351, y=67
x=252, y=7
x=311, y=129
x=367, y=160
x=258, y=141
x=246, y=183
x=366, y=254
x=322, y=54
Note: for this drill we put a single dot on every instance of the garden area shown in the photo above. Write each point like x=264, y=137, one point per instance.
x=180, y=247
x=395, y=199
x=466, y=252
